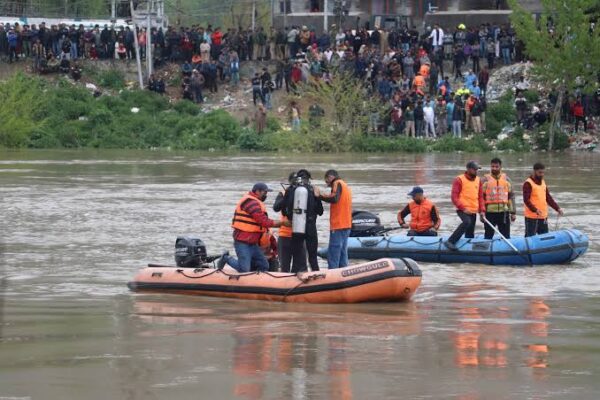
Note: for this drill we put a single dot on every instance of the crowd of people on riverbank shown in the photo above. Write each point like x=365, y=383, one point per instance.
x=426, y=83
x=491, y=197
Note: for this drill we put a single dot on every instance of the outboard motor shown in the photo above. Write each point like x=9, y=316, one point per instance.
x=189, y=251
x=365, y=223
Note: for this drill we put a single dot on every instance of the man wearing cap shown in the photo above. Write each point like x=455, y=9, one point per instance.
x=467, y=196
x=250, y=223
x=424, y=217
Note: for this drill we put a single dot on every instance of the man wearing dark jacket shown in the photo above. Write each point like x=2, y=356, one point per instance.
x=308, y=238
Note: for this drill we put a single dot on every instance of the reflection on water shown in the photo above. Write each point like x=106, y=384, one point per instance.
x=76, y=226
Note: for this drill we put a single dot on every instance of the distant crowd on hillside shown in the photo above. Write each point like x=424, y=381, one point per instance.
x=429, y=83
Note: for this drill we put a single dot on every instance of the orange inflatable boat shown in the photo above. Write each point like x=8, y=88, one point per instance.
x=381, y=280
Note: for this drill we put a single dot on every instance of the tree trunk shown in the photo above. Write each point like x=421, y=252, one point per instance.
x=555, y=117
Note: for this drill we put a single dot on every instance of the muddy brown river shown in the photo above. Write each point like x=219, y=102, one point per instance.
x=76, y=225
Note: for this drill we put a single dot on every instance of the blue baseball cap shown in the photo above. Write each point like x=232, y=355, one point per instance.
x=416, y=190
x=260, y=186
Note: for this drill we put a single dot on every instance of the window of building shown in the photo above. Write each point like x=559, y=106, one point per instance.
x=383, y=7
x=285, y=7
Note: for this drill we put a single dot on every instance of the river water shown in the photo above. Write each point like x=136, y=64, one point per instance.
x=76, y=225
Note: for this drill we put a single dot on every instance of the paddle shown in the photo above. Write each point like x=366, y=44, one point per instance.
x=512, y=246
x=386, y=230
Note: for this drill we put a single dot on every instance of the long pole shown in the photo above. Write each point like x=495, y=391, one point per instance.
x=113, y=10
x=285, y=11
x=253, y=14
x=325, y=16
x=149, y=41
x=512, y=246
x=137, y=48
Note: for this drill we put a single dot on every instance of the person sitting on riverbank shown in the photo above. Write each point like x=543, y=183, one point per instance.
x=424, y=217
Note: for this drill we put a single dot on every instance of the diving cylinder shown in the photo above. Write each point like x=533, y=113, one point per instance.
x=300, y=207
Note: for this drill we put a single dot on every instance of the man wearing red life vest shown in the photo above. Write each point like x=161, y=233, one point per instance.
x=251, y=224
x=467, y=196
x=537, y=198
x=499, y=200
x=424, y=217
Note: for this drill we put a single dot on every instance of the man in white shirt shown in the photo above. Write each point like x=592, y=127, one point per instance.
x=437, y=37
x=429, y=116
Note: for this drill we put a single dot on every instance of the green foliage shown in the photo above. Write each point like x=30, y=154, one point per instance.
x=531, y=96
x=112, y=79
x=39, y=114
x=21, y=99
x=250, y=140
x=560, y=43
x=500, y=114
x=344, y=104
x=513, y=143
x=306, y=140
x=383, y=144
x=541, y=138
x=567, y=50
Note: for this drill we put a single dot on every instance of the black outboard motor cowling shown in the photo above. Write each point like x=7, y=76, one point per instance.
x=189, y=251
x=365, y=223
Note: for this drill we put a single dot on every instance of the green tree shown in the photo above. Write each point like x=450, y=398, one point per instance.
x=562, y=45
x=346, y=103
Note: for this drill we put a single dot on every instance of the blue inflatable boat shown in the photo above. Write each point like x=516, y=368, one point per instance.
x=557, y=247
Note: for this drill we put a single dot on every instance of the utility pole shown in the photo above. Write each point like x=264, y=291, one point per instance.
x=137, y=47
x=149, y=57
x=325, y=16
x=66, y=8
x=253, y=14
x=113, y=10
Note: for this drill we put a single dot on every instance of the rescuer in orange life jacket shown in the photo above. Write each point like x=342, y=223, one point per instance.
x=250, y=223
x=499, y=200
x=467, y=196
x=340, y=219
x=537, y=198
x=424, y=217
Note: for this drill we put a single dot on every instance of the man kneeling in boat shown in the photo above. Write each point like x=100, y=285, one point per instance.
x=250, y=223
x=424, y=217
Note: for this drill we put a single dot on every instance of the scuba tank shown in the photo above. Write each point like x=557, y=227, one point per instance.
x=299, y=210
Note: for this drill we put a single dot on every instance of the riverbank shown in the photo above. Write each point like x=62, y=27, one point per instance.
x=39, y=112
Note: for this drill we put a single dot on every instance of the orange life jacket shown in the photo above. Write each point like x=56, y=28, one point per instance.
x=496, y=190
x=469, y=195
x=420, y=215
x=538, y=199
x=285, y=231
x=265, y=244
x=243, y=221
x=340, y=216
x=419, y=81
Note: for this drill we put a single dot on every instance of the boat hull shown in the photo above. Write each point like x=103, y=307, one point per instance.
x=557, y=247
x=376, y=281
